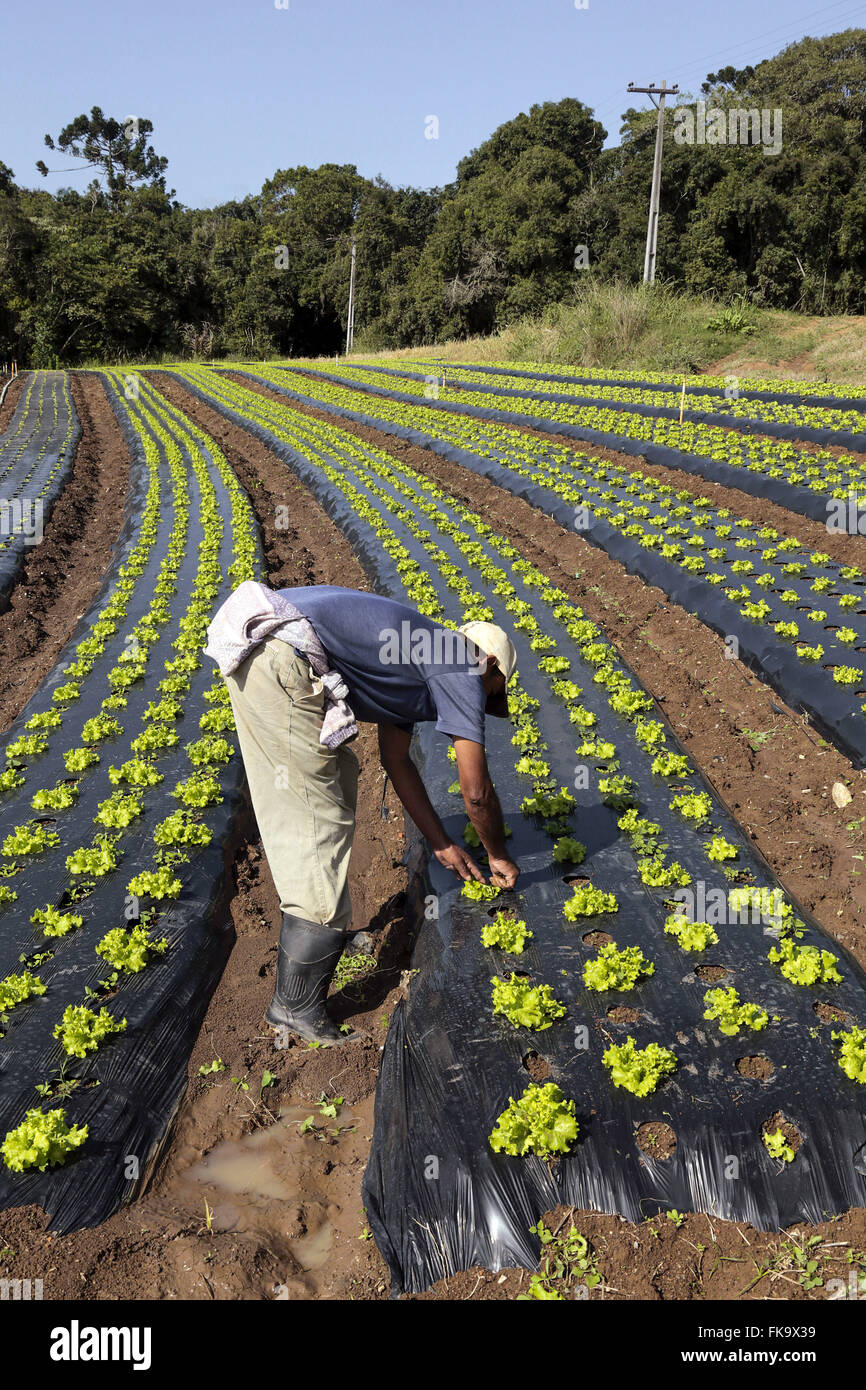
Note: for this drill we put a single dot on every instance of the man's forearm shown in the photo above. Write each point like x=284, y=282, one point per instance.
x=485, y=813
x=413, y=794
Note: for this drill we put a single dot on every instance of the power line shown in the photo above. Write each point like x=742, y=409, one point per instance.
x=697, y=66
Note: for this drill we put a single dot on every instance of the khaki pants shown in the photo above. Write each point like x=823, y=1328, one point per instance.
x=304, y=794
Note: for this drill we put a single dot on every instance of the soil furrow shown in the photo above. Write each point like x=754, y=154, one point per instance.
x=60, y=577
x=771, y=768
x=847, y=549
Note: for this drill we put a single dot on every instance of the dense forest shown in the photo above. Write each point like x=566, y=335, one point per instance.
x=124, y=271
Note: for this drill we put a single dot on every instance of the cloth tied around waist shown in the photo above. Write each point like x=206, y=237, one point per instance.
x=252, y=614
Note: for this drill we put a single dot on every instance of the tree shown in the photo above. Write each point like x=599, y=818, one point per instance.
x=119, y=151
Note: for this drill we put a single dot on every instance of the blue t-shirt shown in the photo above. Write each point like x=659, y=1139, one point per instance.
x=401, y=668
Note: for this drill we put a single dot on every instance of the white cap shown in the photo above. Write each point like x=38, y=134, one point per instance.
x=495, y=642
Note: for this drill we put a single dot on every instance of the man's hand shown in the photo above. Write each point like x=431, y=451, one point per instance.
x=459, y=862
x=503, y=872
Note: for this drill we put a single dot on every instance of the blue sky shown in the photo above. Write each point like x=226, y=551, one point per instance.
x=239, y=88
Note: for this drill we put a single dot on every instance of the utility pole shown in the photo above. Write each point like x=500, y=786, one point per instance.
x=350, y=324
x=649, y=264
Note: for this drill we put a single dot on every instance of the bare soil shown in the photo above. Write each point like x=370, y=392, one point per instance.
x=60, y=577
x=10, y=400
x=281, y=1215
x=756, y=1068
x=763, y=759
x=247, y=1206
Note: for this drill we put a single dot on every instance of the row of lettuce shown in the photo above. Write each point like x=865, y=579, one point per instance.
x=828, y=471
x=388, y=495
x=117, y=764
x=710, y=382
x=733, y=406
x=780, y=586
x=34, y=454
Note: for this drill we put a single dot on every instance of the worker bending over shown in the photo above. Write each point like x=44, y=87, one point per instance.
x=303, y=668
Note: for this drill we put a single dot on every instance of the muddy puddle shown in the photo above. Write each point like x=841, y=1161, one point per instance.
x=291, y=1189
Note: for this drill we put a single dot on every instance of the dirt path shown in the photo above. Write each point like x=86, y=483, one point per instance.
x=10, y=400
x=286, y=1218
x=848, y=550
x=298, y=1231
x=60, y=577
x=765, y=761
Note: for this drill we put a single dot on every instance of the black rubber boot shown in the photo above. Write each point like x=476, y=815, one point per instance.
x=308, y=957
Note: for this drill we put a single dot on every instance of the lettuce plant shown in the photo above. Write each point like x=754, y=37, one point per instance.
x=26, y=746
x=98, y=859
x=618, y=791
x=16, y=988
x=202, y=790
x=655, y=873
x=587, y=901
x=508, y=933
x=724, y=1006
x=617, y=969
x=136, y=772
x=694, y=806
x=155, y=739
x=718, y=849
x=852, y=1053
x=42, y=1140
x=778, y=1147
x=847, y=675
x=478, y=892
x=524, y=1004
x=541, y=1121
x=805, y=965
x=129, y=949
x=208, y=750
x=81, y=1030
x=99, y=727
x=54, y=922
x=568, y=851
x=638, y=1070
x=549, y=804
x=154, y=883
x=78, y=759
x=58, y=798
x=671, y=765
x=180, y=829
x=118, y=811
x=691, y=936
x=33, y=838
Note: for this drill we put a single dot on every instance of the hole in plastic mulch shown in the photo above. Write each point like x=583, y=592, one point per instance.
x=622, y=1014
x=596, y=939
x=779, y=1121
x=656, y=1139
x=538, y=1067
x=709, y=974
x=830, y=1013
x=755, y=1068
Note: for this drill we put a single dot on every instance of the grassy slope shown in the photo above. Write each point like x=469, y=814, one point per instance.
x=629, y=328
